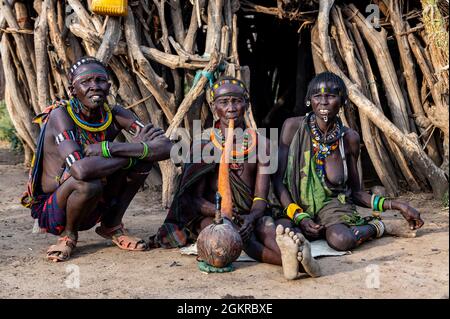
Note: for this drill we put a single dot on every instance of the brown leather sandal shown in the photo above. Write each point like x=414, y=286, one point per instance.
x=64, y=246
x=119, y=237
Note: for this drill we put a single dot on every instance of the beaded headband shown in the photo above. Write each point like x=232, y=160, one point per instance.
x=322, y=90
x=99, y=72
x=220, y=83
x=82, y=61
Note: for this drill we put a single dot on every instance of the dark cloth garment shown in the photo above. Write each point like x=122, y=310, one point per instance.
x=43, y=206
x=327, y=204
x=179, y=226
x=52, y=218
x=182, y=215
x=337, y=212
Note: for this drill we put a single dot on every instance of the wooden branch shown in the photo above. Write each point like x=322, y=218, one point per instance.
x=177, y=20
x=319, y=67
x=214, y=26
x=18, y=123
x=194, y=92
x=248, y=6
x=182, y=53
x=146, y=29
x=170, y=60
x=378, y=43
x=91, y=37
x=91, y=23
x=19, y=109
x=438, y=113
x=357, y=77
x=143, y=69
x=74, y=51
x=399, y=26
x=394, y=149
x=194, y=25
x=160, y=5
x=56, y=72
x=111, y=38
x=24, y=55
x=58, y=44
x=436, y=177
x=128, y=89
x=440, y=118
x=40, y=47
x=234, y=46
x=13, y=30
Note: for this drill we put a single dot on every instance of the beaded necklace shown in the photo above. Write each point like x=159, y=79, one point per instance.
x=90, y=133
x=323, y=146
x=236, y=157
x=104, y=123
x=317, y=134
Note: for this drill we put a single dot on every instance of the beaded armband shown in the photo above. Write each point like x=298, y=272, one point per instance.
x=72, y=158
x=65, y=135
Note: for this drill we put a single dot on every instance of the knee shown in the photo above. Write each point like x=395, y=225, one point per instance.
x=285, y=222
x=265, y=222
x=340, y=239
x=92, y=188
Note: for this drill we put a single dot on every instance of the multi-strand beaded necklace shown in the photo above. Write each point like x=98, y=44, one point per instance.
x=236, y=157
x=90, y=133
x=323, y=145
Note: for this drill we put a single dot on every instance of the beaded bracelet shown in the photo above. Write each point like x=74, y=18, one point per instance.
x=105, y=149
x=131, y=162
x=145, y=151
x=298, y=217
x=380, y=204
x=259, y=198
x=377, y=202
x=291, y=209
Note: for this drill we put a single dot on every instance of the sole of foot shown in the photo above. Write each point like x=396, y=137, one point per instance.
x=295, y=249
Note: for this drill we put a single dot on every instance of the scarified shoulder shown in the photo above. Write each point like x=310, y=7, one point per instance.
x=60, y=120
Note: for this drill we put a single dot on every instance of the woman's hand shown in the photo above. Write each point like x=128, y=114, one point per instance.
x=310, y=228
x=93, y=150
x=411, y=215
x=246, y=225
x=149, y=133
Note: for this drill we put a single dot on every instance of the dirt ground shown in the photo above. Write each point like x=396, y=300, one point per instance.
x=384, y=268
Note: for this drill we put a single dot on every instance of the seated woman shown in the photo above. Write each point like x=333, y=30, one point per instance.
x=317, y=179
x=193, y=206
x=80, y=176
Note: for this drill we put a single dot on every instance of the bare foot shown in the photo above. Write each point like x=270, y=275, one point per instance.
x=398, y=227
x=289, y=250
x=304, y=256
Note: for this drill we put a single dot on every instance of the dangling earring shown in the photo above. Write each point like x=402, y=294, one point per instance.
x=75, y=104
x=308, y=103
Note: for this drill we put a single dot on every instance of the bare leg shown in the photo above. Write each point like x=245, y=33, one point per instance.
x=204, y=222
x=398, y=227
x=342, y=237
x=121, y=188
x=262, y=245
x=79, y=199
